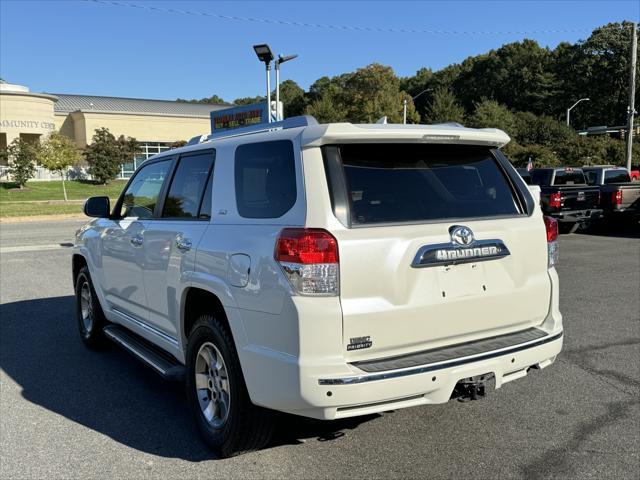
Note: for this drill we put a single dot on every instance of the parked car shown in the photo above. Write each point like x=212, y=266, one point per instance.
x=525, y=174
x=619, y=197
x=327, y=271
x=635, y=173
x=566, y=197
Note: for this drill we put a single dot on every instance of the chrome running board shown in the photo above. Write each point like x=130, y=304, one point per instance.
x=159, y=360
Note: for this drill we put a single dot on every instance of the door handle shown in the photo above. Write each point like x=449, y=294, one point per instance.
x=136, y=240
x=183, y=244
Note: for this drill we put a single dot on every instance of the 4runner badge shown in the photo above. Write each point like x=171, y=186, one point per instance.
x=464, y=248
x=358, y=343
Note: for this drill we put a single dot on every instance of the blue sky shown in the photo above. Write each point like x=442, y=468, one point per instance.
x=91, y=48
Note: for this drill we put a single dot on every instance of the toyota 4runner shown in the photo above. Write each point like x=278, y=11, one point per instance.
x=327, y=271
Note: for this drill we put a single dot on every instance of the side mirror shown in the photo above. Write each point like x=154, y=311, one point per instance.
x=97, y=207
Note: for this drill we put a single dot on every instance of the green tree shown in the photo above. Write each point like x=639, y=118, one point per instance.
x=213, y=99
x=178, y=144
x=327, y=109
x=445, y=107
x=103, y=156
x=598, y=68
x=249, y=100
x=22, y=160
x=373, y=92
x=517, y=74
x=491, y=114
x=57, y=153
x=292, y=98
x=127, y=148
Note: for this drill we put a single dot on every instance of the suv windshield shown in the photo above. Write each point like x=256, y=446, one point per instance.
x=389, y=183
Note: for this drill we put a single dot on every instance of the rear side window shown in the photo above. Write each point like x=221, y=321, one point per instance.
x=569, y=177
x=188, y=185
x=590, y=177
x=265, y=179
x=616, y=176
x=389, y=183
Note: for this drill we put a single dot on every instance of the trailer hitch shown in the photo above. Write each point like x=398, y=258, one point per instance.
x=472, y=388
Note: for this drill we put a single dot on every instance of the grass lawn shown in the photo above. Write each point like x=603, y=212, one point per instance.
x=32, y=199
x=76, y=190
x=29, y=209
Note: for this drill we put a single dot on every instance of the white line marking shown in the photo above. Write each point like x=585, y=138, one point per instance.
x=33, y=248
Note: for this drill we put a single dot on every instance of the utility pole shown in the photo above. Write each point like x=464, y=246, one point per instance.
x=632, y=92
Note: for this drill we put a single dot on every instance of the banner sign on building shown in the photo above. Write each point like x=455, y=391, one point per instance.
x=241, y=116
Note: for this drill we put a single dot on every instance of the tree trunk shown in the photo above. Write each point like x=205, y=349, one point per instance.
x=64, y=189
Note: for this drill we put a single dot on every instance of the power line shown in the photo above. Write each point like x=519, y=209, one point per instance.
x=353, y=28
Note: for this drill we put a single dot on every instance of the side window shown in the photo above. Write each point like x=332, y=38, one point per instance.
x=141, y=195
x=590, y=177
x=205, y=208
x=265, y=179
x=188, y=185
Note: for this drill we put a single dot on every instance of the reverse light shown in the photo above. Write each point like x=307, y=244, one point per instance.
x=551, y=226
x=616, y=197
x=309, y=258
x=555, y=200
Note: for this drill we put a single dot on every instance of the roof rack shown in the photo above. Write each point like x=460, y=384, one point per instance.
x=293, y=122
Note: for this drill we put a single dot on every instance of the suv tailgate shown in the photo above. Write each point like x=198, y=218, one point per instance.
x=404, y=198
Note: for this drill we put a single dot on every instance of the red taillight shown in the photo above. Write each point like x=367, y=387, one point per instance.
x=306, y=246
x=616, y=197
x=551, y=225
x=555, y=200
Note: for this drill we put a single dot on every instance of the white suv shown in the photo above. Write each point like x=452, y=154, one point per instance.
x=323, y=270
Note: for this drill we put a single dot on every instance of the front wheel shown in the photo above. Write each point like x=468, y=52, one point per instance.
x=89, y=315
x=217, y=394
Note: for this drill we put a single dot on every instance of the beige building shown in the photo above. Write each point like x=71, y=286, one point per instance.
x=156, y=124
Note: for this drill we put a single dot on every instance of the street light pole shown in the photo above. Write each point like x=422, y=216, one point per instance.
x=268, y=65
x=404, y=104
x=632, y=93
x=279, y=60
x=264, y=55
x=572, y=106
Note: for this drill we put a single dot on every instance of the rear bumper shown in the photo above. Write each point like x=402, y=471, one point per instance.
x=324, y=386
x=577, y=216
x=361, y=393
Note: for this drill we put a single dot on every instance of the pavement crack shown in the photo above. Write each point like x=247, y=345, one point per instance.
x=554, y=462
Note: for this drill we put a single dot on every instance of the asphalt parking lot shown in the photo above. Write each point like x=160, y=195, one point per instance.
x=66, y=412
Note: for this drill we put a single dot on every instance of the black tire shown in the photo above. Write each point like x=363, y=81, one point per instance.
x=91, y=321
x=246, y=427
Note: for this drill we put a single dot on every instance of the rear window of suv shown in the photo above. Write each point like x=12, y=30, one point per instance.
x=395, y=183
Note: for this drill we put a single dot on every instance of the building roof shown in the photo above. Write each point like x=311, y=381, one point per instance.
x=87, y=103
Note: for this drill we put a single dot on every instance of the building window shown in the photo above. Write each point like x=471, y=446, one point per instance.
x=147, y=150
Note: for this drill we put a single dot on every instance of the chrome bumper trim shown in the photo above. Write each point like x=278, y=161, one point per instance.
x=439, y=366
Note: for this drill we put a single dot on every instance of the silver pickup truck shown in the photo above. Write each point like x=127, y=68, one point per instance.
x=619, y=196
x=327, y=271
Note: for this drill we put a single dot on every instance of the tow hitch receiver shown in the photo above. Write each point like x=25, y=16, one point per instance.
x=472, y=388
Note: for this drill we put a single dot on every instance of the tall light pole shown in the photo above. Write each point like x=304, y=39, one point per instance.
x=264, y=55
x=572, y=106
x=632, y=93
x=404, y=104
x=280, y=60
